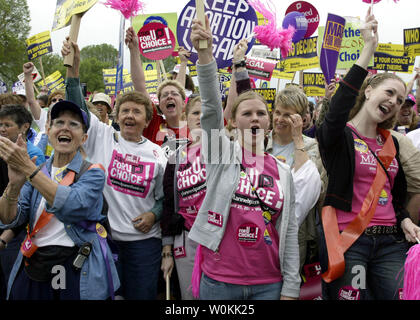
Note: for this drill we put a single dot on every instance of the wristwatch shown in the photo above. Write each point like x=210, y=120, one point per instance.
x=240, y=64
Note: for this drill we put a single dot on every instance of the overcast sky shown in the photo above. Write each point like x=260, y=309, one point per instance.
x=100, y=24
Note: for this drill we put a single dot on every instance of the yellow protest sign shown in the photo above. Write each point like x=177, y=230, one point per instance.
x=38, y=45
x=314, y=84
x=65, y=9
x=54, y=81
x=302, y=56
x=412, y=42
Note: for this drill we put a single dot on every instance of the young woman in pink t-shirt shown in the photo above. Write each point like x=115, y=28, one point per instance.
x=364, y=218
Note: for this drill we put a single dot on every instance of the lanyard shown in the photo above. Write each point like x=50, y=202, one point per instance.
x=338, y=243
x=28, y=247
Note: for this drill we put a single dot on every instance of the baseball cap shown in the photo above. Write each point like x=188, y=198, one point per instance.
x=410, y=98
x=70, y=106
x=102, y=97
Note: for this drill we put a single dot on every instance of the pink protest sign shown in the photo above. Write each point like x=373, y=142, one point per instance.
x=260, y=68
x=310, y=13
x=156, y=41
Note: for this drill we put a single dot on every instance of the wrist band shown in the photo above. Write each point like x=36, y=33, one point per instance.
x=34, y=173
x=9, y=199
x=239, y=64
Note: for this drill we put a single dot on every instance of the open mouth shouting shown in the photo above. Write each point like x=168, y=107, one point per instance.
x=64, y=139
x=384, y=109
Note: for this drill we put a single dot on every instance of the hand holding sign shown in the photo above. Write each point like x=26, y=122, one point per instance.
x=199, y=32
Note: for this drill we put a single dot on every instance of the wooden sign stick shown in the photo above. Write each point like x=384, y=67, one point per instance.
x=74, y=33
x=42, y=70
x=199, y=7
x=162, y=69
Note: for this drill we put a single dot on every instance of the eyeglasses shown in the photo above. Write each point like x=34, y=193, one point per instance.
x=172, y=93
x=55, y=99
x=73, y=125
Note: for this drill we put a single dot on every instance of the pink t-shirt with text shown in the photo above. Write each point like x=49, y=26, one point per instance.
x=248, y=253
x=191, y=185
x=364, y=173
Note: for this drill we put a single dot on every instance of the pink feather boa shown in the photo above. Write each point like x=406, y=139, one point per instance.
x=375, y=1
x=128, y=8
x=269, y=34
x=196, y=274
x=411, y=289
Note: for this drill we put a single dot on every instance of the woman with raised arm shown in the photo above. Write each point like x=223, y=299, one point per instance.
x=246, y=225
x=364, y=219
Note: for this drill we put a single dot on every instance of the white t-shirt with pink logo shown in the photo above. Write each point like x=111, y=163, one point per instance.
x=191, y=185
x=364, y=174
x=248, y=253
x=134, y=178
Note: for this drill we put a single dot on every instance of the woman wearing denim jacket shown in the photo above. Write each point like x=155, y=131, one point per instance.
x=45, y=267
x=248, y=235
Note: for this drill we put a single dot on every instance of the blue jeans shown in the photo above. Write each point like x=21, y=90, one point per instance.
x=216, y=290
x=138, y=268
x=374, y=269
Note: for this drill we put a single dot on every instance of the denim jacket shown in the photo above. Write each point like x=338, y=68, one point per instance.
x=72, y=205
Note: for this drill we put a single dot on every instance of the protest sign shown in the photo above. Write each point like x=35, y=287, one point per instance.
x=224, y=83
x=260, y=68
x=390, y=57
x=168, y=19
x=310, y=13
x=65, y=9
x=412, y=42
x=54, y=81
x=351, y=44
x=3, y=87
x=303, y=55
x=35, y=76
x=230, y=21
x=156, y=41
x=279, y=72
x=18, y=88
x=313, y=84
x=269, y=94
x=38, y=45
x=331, y=45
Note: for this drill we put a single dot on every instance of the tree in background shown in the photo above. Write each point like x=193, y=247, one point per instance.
x=14, y=30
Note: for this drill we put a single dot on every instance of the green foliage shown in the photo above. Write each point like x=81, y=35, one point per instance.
x=14, y=30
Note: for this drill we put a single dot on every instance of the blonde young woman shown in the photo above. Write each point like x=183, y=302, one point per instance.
x=246, y=225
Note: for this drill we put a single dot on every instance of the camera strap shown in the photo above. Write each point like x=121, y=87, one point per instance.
x=28, y=247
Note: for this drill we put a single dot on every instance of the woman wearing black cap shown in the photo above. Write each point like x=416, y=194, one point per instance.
x=63, y=256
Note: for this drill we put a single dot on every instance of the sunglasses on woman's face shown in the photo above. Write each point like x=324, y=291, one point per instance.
x=56, y=100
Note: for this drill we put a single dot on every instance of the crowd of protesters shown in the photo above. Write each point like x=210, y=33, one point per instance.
x=224, y=200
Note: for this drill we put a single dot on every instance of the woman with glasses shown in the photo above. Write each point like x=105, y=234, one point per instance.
x=60, y=258
x=365, y=223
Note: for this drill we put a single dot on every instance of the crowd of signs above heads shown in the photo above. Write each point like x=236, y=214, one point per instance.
x=335, y=49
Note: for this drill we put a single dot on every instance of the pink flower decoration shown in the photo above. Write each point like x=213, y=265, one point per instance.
x=270, y=34
x=375, y=1
x=128, y=8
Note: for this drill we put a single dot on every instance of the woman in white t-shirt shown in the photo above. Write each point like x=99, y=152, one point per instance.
x=133, y=189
